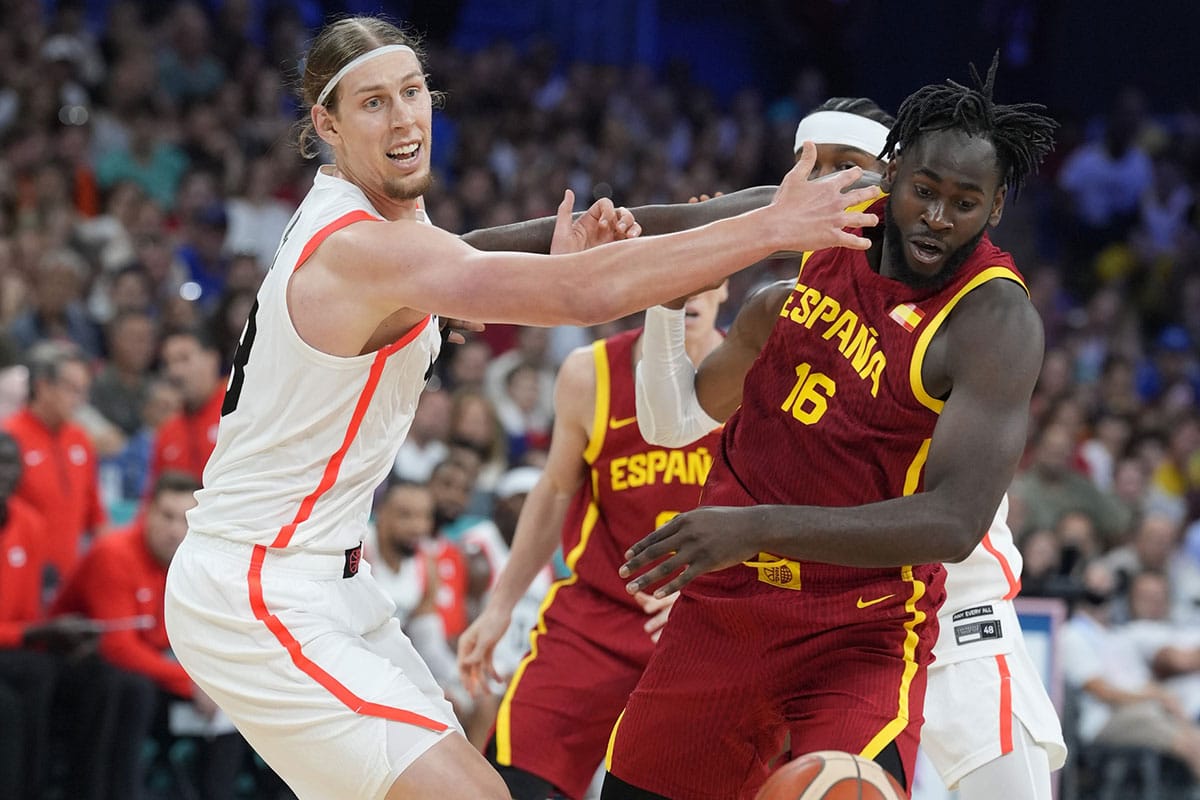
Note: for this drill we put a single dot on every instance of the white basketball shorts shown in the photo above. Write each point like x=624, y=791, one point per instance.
x=311, y=666
x=970, y=705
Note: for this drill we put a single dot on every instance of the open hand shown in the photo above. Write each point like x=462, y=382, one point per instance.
x=600, y=224
x=814, y=214
x=693, y=543
x=476, y=647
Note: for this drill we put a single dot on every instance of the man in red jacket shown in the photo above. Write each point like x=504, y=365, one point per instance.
x=185, y=441
x=121, y=581
x=48, y=667
x=59, y=479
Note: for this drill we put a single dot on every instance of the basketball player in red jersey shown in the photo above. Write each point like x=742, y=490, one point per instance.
x=877, y=430
x=603, y=488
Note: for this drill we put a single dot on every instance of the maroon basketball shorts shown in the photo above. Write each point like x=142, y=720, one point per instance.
x=586, y=656
x=835, y=658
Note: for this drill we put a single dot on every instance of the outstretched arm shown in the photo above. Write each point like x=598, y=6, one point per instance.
x=993, y=355
x=533, y=236
x=539, y=527
x=677, y=403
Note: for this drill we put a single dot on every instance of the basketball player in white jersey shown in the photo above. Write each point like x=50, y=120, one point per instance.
x=269, y=607
x=990, y=728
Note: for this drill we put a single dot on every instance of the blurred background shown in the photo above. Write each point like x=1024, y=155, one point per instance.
x=147, y=171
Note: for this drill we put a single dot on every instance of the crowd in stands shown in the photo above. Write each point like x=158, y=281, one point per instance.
x=146, y=176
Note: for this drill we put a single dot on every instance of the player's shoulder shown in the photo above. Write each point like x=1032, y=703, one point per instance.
x=998, y=319
x=576, y=378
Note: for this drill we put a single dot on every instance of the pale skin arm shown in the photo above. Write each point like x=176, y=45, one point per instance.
x=540, y=524
x=369, y=272
x=993, y=352
x=533, y=236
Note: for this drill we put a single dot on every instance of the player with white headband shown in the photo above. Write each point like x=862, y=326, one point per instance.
x=991, y=730
x=269, y=606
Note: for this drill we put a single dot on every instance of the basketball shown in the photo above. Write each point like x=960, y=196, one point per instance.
x=831, y=775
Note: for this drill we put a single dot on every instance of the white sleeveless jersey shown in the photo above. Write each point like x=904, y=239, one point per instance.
x=978, y=617
x=306, y=437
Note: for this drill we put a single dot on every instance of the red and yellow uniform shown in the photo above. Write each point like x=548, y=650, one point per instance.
x=22, y=539
x=60, y=482
x=186, y=440
x=590, y=647
x=120, y=578
x=834, y=413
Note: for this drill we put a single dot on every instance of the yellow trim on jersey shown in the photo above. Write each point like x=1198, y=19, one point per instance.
x=918, y=358
x=603, y=389
x=612, y=742
x=913, y=476
x=911, y=640
x=504, y=714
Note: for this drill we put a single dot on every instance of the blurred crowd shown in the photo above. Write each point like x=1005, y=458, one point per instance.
x=146, y=175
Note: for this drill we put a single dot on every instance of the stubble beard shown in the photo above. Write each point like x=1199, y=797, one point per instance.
x=898, y=260
x=408, y=188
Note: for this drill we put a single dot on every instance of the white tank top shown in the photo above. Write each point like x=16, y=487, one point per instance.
x=978, y=617
x=305, y=437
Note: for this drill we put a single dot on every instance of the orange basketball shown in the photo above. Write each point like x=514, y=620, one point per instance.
x=831, y=775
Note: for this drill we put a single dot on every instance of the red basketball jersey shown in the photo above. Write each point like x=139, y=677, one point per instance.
x=633, y=487
x=834, y=411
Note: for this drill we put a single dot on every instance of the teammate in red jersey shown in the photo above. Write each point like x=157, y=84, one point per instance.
x=901, y=378
x=603, y=488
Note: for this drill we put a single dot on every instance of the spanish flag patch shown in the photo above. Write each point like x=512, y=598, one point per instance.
x=908, y=315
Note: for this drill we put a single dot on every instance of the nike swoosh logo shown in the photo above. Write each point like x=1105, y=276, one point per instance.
x=615, y=424
x=867, y=603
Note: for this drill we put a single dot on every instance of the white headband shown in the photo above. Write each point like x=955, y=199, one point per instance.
x=367, y=56
x=841, y=127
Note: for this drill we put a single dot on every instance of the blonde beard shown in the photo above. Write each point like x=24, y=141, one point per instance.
x=409, y=188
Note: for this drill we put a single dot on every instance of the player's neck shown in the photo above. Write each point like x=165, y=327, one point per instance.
x=698, y=347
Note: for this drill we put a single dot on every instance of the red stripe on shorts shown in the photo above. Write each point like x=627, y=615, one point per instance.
x=1006, y=733
x=1014, y=583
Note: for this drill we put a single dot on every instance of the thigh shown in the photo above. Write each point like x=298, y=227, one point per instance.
x=1023, y=772
x=558, y=712
x=968, y=716
x=336, y=705
x=695, y=725
x=857, y=681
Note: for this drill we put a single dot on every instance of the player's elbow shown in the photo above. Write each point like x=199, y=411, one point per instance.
x=964, y=537
x=664, y=437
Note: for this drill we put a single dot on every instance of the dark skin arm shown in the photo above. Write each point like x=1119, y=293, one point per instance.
x=986, y=358
x=533, y=236
x=720, y=376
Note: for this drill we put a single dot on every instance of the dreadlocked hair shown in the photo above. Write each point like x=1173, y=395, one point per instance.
x=1021, y=135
